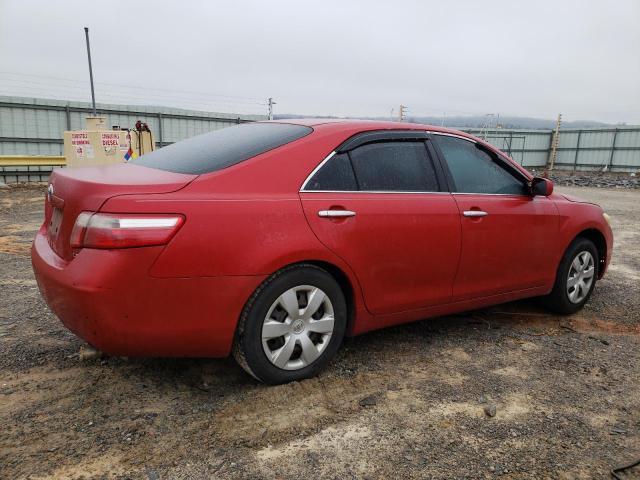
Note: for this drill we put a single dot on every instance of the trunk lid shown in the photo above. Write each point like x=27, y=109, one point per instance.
x=73, y=190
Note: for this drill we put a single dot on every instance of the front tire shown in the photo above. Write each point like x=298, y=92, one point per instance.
x=292, y=325
x=576, y=278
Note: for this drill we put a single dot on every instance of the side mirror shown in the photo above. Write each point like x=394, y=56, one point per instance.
x=541, y=186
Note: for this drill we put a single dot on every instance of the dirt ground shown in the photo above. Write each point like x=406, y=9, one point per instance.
x=406, y=402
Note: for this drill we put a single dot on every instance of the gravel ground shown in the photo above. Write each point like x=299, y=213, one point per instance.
x=509, y=391
x=596, y=179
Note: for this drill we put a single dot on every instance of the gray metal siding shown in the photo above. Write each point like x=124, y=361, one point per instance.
x=43, y=122
x=30, y=126
x=579, y=149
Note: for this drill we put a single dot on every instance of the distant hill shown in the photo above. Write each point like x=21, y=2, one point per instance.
x=477, y=121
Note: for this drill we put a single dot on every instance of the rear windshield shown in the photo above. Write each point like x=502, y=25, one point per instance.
x=222, y=148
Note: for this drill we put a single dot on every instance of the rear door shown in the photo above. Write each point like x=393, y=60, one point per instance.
x=378, y=203
x=507, y=234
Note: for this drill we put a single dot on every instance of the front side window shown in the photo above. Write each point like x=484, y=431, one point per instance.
x=475, y=171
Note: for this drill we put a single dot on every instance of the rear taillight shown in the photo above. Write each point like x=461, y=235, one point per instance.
x=115, y=230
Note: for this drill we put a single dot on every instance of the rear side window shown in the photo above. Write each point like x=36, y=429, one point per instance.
x=335, y=175
x=222, y=148
x=394, y=166
x=474, y=170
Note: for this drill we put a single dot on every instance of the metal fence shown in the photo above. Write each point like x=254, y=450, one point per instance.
x=608, y=149
x=33, y=126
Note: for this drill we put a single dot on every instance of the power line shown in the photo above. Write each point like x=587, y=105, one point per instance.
x=75, y=90
x=119, y=97
x=68, y=89
x=256, y=100
x=111, y=93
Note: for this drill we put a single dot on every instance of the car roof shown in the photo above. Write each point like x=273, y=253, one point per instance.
x=369, y=125
x=354, y=126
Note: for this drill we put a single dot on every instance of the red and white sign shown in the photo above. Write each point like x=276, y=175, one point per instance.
x=110, y=140
x=79, y=138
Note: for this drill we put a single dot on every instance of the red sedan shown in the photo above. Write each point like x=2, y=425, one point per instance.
x=274, y=240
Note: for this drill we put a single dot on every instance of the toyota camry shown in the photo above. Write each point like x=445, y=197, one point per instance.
x=271, y=241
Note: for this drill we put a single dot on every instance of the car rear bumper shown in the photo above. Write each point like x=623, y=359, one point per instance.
x=108, y=298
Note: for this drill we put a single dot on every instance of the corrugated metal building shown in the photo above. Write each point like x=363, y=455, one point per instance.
x=30, y=126
x=614, y=149
x=34, y=126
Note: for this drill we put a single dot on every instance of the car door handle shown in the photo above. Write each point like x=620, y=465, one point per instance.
x=474, y=213
x=336, y=213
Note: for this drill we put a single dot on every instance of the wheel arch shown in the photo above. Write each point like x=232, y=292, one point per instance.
x=598, y=239
x=345, y=285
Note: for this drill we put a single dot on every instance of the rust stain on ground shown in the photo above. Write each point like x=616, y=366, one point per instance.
x=550, y=324
x=587, y=325
x=15, y=245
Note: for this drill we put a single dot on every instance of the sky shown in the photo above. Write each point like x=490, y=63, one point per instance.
x=354, y=58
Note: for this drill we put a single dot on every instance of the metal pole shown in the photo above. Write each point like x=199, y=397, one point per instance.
x=613, y=149
x=93, y=95
x=67, y=111
x=575, y=157
x=160, y=130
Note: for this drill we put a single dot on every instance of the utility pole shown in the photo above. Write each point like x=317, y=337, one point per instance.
x=553, y=153
x=402, y=112
x=93, y=95
x=271, y=104
x=486, y=126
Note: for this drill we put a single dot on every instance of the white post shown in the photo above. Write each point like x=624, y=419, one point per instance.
x=271, y=104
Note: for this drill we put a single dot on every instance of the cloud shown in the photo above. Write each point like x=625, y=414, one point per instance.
x=338, y=57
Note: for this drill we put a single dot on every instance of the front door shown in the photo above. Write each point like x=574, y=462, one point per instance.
x=381, y=209
x=507, y=234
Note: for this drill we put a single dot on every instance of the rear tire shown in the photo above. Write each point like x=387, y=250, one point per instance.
x=575, y=279
x=292, y=325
